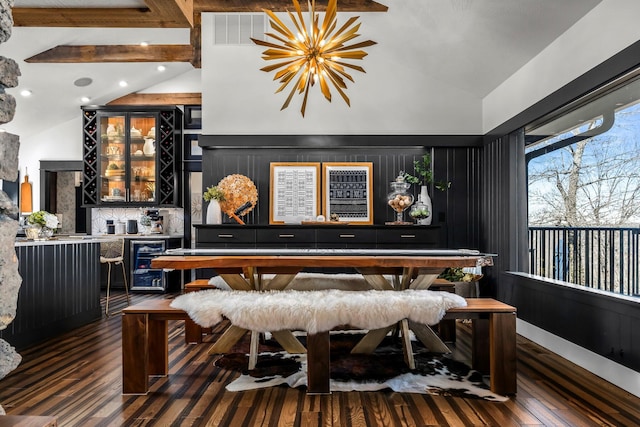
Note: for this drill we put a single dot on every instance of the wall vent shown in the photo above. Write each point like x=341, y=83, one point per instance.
x=236, y=29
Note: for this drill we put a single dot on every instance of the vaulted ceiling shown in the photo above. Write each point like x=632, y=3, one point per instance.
x=473, y=44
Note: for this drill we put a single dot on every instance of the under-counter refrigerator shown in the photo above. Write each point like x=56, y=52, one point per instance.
x=143, y=277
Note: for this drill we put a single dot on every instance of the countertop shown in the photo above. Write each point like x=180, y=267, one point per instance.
x=97, y=238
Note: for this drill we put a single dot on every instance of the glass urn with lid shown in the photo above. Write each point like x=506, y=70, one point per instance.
x=419, y=212
x=400, y=199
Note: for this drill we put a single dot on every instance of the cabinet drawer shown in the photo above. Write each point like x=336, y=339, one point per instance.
x=225, y=236
x=341, y=236
x=413, y=237
x=286, y=236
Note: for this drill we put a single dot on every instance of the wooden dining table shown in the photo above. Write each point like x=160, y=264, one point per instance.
x=382, y=269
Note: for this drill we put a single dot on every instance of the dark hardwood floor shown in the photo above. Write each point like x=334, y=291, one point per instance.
x=77, y=378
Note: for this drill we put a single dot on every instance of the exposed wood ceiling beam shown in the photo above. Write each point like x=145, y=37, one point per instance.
x=159, y=99
x=229, y=6
x=165, y=13
x=157, y=14
x=114, y=53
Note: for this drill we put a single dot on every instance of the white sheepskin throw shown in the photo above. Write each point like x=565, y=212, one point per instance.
x=316, y=311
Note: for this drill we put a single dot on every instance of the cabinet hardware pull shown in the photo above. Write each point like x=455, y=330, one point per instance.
x=347, y=236
x=288, y=236
x=407, y=236
x=225, y=236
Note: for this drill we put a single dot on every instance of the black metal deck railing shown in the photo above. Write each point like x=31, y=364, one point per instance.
x=595, y=257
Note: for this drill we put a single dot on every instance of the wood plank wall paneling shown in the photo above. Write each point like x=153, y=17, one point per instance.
x=457, y=208
x=503, y=210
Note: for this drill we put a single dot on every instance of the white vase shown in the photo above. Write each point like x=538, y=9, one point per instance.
x=148, y=148
x=426, y=200
x=214, y=214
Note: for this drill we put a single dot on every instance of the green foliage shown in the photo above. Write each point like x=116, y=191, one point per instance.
x=422, y=174
x=452, y=274
x=213, y=193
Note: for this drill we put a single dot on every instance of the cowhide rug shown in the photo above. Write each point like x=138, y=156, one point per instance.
x=435, y=374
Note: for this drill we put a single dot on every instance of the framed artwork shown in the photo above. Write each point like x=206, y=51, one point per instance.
x=348, y=191
x=294, y=192
x=193, y=117
x=192, y=151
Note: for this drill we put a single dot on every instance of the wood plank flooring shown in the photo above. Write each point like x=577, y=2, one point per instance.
x=77, y=378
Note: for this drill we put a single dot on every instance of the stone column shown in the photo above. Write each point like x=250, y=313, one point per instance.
x=10, y=279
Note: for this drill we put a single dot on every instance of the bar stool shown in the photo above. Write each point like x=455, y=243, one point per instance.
x=112, y=253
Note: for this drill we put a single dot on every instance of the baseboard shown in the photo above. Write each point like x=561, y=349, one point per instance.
x=621, y=376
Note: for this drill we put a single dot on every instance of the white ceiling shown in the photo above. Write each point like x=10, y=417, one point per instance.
x=472, y=44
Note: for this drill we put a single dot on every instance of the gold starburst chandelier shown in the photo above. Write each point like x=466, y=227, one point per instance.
x=315, y=54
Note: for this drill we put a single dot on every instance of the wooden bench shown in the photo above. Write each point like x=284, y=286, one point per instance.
x=145, y=345
x=192, y=331
x=493, y=346
x=145, y=342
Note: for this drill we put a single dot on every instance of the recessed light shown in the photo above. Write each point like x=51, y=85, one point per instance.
x=83, y=81
x=144, y=43
x=26, y=92
x=123, y=83
x=161, y=68
x=85, y=99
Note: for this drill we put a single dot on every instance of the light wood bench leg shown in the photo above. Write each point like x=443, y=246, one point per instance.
x=253, y=350
x=502, y=337
x=231, y=336
x=135, y=354
x=318, y=363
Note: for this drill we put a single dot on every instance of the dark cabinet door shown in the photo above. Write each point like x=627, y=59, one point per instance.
x=285, y=237
x=410, y=237
x=131, y=156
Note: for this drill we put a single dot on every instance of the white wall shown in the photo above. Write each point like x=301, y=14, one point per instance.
x=62, y=142
x=393, y=97
x=606, y=30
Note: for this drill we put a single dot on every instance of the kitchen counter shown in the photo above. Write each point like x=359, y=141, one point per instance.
x=60, y=289
x=79, y=239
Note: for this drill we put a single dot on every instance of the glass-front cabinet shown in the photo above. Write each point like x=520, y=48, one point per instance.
x=131, y=157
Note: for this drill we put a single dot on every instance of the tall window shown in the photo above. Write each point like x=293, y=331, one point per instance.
x=584, y=191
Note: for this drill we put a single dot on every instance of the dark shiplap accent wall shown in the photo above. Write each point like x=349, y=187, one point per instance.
x=60, y=291
x=457, y=209
x=504, y=207
x=600, y=323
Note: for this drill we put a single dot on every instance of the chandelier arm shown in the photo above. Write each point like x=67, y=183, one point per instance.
x=355, y=54
x=277, y=22
x=324, y=87
x=284, y=40
x=352, y=66
x=303, y=31
x=347, y=25
x=330, y=15
x=299, y=27
x=290, y=65
x=266, y=43
x=304, y=100
x=336, y=79
x=340, y=40
x=366, y=43
x=339, y=71
x=339, y=89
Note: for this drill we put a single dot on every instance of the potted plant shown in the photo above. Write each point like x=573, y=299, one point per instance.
x=423, y=176
x=214, y=195
x=43, y=225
